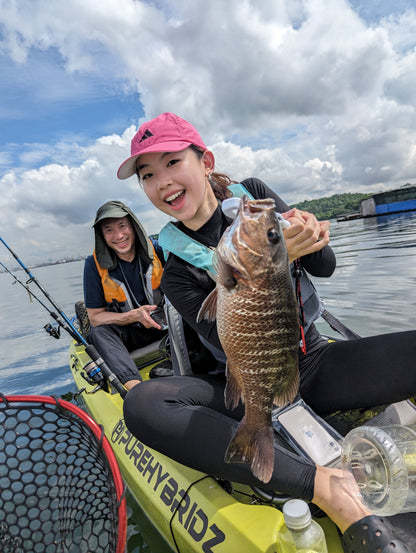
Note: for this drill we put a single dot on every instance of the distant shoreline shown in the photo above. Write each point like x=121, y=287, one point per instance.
x=47, y=264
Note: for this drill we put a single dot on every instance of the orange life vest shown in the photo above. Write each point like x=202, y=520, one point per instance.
x=116, y=291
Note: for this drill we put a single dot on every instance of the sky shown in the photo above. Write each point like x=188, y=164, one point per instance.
x=314, y=97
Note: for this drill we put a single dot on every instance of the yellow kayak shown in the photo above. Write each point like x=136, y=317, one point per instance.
x=193, y=511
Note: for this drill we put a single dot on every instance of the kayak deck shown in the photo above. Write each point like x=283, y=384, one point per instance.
x=190, y=509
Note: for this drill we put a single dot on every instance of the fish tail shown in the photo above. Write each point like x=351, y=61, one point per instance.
x=254, y=447
x=289, y=394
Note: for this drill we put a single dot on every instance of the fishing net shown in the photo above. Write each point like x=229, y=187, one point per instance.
x=60, y=485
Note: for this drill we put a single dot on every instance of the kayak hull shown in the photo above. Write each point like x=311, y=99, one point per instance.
x=190, y=509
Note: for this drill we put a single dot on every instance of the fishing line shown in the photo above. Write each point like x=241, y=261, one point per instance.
x=73, y=331
x=25, y=286
x=67, y=325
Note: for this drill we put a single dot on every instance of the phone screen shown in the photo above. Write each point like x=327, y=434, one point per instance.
x=310, y=435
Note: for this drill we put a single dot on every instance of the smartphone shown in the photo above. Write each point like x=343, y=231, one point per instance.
x=158, y=315
x=308, y=434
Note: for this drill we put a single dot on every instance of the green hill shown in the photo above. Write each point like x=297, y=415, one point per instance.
x=333, y=206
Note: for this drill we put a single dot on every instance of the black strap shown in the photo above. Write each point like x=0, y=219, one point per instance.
x=338, y=326
x=372, y=534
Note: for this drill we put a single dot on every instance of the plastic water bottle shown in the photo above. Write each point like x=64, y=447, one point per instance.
x=300, y=533
x=383, y=463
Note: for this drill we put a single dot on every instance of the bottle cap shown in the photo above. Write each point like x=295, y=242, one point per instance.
x=296, y=513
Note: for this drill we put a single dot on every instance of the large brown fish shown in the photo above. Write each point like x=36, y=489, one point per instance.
x=258, y=326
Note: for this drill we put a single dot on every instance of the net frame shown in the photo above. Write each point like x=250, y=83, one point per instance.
x=74, y=496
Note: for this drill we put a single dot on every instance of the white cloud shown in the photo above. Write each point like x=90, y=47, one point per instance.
x=309, y=96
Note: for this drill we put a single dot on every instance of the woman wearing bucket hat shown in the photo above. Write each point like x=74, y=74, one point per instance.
x=178, y=175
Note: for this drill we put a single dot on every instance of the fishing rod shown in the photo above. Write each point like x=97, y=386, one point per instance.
x=96, y=374
x=49, y=329
x=73, y=331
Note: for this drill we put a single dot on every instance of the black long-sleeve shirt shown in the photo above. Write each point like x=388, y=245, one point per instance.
x=187, y=286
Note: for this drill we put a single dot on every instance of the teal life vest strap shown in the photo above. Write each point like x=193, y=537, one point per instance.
x=238, y=190
x=173, y=240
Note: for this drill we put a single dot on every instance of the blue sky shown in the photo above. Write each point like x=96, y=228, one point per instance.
x=43, y=103
x=315, y=98
x=80, y=106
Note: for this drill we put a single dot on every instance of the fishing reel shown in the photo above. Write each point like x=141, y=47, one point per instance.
x=52, y=330
x=94, y=376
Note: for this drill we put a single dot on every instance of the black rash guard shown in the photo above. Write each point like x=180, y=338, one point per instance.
x=187, y=286
x=185, y=417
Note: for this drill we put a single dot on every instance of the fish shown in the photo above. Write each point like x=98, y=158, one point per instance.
x=257, y=318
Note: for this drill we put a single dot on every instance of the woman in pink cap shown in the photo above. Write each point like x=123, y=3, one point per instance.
x=185, y=417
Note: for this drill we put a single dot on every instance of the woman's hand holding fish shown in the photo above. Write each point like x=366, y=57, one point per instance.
x=305, y=235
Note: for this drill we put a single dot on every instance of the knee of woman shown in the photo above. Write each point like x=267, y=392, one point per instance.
x=137, y=407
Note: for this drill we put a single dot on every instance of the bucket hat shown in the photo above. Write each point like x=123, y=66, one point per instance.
x=111, y=210
x=106, y=256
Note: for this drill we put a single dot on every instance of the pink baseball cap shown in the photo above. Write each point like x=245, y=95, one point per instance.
x=166, y=133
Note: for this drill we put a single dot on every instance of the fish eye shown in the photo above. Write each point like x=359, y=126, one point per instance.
x=273, y=236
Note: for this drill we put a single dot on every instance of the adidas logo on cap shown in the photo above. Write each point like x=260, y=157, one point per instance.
x=147, y=134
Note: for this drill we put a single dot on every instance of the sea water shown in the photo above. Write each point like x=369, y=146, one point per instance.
x=373, y=291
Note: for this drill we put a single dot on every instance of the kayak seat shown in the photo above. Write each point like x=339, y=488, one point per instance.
x=152, y=353
x=82, y=318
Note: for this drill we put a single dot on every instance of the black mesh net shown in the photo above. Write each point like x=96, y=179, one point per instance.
x=57, y=492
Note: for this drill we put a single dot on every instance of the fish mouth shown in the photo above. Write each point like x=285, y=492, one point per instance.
x=248, y=207
x=234, y=240
x=251, y=210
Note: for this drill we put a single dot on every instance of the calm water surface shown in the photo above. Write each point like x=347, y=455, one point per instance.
x=373, y=291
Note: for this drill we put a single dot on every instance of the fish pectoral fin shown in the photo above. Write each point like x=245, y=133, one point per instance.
x=208, y=310
x=289, y=394
x=254, y=446
x=232, y=391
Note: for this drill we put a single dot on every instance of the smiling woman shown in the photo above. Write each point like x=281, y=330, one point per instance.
x=171, y=178
x=183, y=184
x=171, y=182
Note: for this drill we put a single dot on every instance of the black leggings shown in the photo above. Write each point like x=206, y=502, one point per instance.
x=377, y=370
x=185, y=417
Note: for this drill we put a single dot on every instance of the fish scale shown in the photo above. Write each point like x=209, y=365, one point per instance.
x=257, y=321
